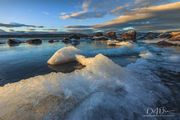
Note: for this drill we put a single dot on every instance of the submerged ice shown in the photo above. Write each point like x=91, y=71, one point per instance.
x=101, y=90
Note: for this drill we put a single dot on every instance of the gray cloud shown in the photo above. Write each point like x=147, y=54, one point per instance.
x=85, y=31
x=51, y=30
x=160, y=17
x=80, y=29
x=12, y=25
x=2, y=30
x=79, y=26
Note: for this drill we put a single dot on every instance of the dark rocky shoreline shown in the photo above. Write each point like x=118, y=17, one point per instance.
x=165, y=39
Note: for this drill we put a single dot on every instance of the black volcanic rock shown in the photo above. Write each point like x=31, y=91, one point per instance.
x=13, y=42
x=66, y=40
x=98, y=34
x=53, y=41
x=166, y=44
x=130, y=35
x=150, y=36
x=34, y=41
x=111, y=35
x=74, y=37
x=165, y=35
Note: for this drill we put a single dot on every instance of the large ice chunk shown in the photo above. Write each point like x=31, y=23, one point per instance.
x=64, y=55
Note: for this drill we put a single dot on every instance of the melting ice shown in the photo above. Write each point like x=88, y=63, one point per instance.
x=101, y=90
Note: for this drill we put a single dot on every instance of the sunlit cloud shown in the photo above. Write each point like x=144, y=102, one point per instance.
x=117, y=9
x=159, y=17
x=85, y=13
x=98, y=9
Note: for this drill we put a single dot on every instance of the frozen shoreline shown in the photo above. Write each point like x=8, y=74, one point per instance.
x=123, y=90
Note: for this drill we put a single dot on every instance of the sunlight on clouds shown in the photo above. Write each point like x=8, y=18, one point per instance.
x=117, y=9
x=85, y=7
x=158, y=17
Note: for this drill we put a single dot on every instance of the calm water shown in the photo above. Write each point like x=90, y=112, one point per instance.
x=24, y=61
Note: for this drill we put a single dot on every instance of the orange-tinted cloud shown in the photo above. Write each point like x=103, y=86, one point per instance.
x=160, y=17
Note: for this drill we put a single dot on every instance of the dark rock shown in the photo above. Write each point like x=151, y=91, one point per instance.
x=13, y=42
x=111, y=35
x=165, y=35
x=66, y=40
x=74, y=37
x=130, y=35
x=98, y=34
x=100, y=38
x=140, y=35
x=150, y=36
x=52, y=41
x=34, y=41
x=166, y=44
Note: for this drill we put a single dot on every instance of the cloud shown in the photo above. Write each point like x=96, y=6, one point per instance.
x=98, y=9
x=85, y=13
x=1, y=31
x=31, y=29
x=85, y=31
x=116, y=9
x=80, y=29
x=79, y=26
x=11, y=25
x=148, y=3
x=166, y=16
x=51, y=30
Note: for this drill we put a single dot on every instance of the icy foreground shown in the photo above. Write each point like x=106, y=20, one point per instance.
x=102, y=90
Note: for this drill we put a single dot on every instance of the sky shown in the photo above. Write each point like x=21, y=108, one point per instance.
x=89, y=15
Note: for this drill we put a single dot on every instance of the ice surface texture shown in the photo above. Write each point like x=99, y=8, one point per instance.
x=102, y=90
